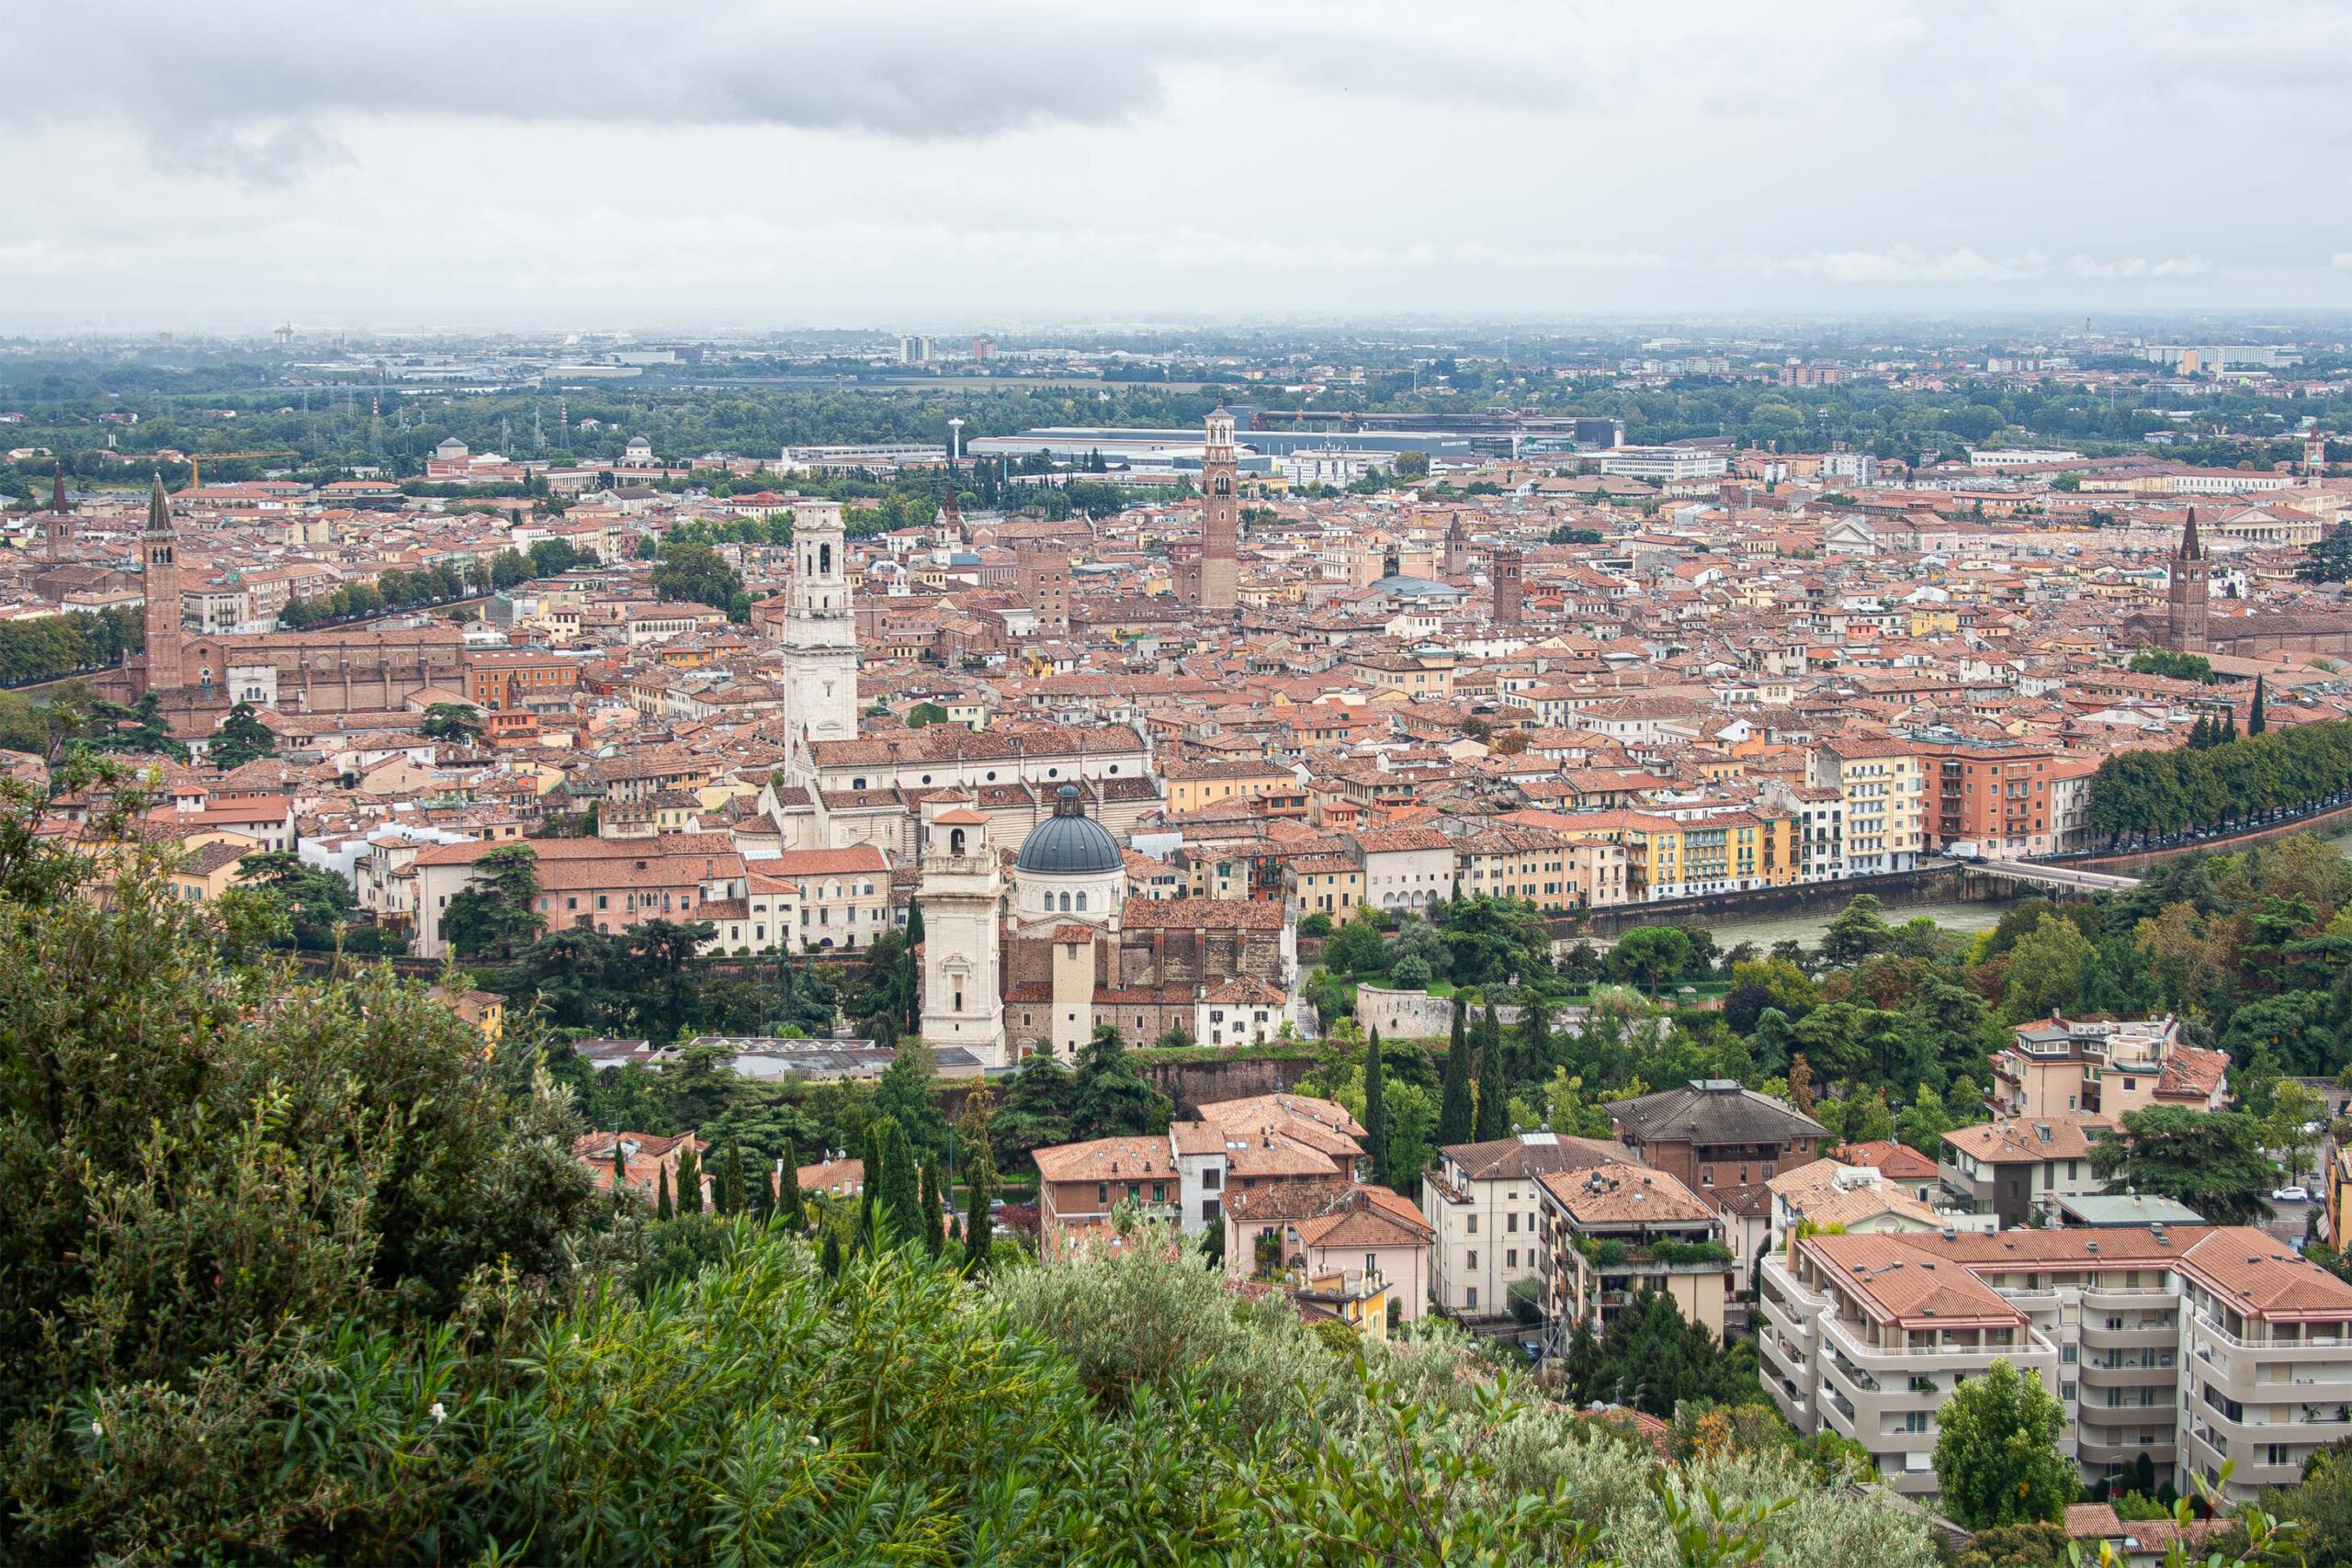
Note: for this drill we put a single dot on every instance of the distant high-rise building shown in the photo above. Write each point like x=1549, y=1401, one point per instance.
x=984, y=348
x=159, y=556
x=914, y=351
x=1220, y=567
x=2185, y=621
x=1510, y=589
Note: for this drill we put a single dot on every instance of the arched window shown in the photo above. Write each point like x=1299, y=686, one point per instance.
x=1081, y=903
x=1064, y=903
x=956, y=842
x=825, y=560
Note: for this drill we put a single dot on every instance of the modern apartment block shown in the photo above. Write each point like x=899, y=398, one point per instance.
x=2198, y=1346
x=1481, y=1200
x=2056, y=1066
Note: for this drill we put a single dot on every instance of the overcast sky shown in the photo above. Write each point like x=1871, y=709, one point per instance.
x=861, y=162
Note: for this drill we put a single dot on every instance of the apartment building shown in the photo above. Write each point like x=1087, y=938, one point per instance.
x=2197, y=1346
x=1884, y=792
x=1188, y=1174
x=610, y=884
x=1480, y=1201
x=1613, y=1230
x=2009, y=1168
x=1713, y=1133
x=2056, y=1066
x=1998, y=796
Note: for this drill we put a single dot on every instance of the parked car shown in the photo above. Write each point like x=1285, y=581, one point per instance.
x=2290, y=1195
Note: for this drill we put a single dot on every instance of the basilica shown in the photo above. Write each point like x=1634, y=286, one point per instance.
x=1035, y=961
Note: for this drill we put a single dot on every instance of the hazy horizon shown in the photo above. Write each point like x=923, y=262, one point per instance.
x=255, y=160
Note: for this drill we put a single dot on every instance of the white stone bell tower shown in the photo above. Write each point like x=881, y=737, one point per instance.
x=963, y=939
x=819, y=636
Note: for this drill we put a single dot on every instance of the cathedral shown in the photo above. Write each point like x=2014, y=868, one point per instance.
x=1010, y=967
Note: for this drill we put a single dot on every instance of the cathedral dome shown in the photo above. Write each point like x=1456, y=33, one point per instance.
x=1069, y=843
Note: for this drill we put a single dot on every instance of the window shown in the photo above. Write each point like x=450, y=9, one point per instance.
x=1510, y=1259
x=1102, y=1193
x=1474, y=1224
x=1470, y=1301
x=1510, y=1223
x=1473, y=1261
x=1212, y=1178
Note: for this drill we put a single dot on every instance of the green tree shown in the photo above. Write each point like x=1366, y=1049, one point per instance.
x=689, y=1180
x=933, y=1227
x=240, y=738
x=1457, y=1112
x=494, y=913
x=1111, y=1099
x=2047, y=969
x=2329, y=558
x=1355, y=949
x=2213, y=1161
x=975, y=1139
x=1996, y=1453
x=1858, y=931
x=1494, y=1086
x=1650, y=957
x=1375, y=1109
x=790, y=1206
x=457, y=723
x=694, y=573
x=2254, y=721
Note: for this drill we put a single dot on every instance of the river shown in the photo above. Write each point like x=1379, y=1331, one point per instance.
x=1766, y=930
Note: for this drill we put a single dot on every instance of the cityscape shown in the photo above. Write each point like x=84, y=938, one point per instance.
x=1496, y=881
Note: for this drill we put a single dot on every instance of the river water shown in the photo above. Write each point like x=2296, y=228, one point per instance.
x=1766, y=930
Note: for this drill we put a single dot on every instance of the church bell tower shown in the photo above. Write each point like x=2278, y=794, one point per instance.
x=963, y=941
x=2186, y=630
x=159, y=558
x=819, y=637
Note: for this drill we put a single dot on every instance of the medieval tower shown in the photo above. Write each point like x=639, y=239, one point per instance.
x=158, y=554
x=2184, y=624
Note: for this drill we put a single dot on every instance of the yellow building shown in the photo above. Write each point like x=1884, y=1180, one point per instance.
x=1934, y=620
x=1426, y=676
x=1191, y=786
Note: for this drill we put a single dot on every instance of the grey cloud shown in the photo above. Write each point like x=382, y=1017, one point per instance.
x=246, y=87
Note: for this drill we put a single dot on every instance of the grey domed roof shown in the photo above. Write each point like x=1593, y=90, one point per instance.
x=1069, y=843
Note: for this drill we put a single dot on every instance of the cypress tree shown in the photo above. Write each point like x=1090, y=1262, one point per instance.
x=1537, y=1037
x=932, y=1239
x=2254, y=721
x=829, y=1258
x=910, y=983
x=763, y=1190
x=730, y=1177
x=789, y=1205
x=876, y=1163
x=2200, y=734
x=976, y=1219
x=1375, y=1109
x=1494, y=1090
x=689, y=1180
x=2229, y=729
x=1456, y=1117
x=662, y=1199
x=902, y=1194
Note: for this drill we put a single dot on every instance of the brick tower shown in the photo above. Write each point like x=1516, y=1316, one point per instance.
x=1220, y=573
x=2184, y=624
x=159, y=555
x=1510, y=589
